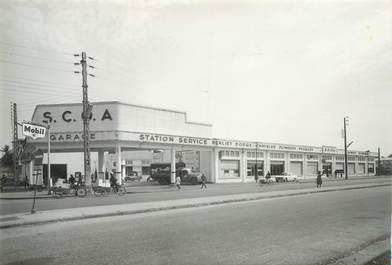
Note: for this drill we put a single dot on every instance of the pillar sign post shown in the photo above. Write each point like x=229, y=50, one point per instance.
x=38, y=131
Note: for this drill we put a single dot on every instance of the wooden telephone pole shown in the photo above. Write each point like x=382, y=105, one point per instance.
x=86, y=115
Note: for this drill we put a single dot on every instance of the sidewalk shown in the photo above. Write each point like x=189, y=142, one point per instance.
x=14, y=220
x=143, y=187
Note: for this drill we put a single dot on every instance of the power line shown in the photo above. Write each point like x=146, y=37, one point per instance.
x=30, y=93
x=37, y=81
x=32, y=48
x=35, y=84
x=43, y=100
x=35, y=67
x=33, y=88
x=29, y=89
x=35, y=57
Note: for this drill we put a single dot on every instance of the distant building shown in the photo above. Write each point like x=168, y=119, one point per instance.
x=386, y=166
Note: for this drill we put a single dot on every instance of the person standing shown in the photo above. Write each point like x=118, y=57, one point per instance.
x=178, y=182
x=71, y=181
x=203, y=181
x=319, y=181
x=113, y=182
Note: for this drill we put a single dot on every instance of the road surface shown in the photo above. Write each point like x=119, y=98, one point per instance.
x=154, y=193
x=308, y=229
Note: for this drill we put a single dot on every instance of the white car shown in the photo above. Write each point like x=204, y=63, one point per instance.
x=286, y=177
x=264, y=179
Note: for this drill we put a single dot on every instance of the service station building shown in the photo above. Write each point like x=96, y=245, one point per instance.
x=118, y=130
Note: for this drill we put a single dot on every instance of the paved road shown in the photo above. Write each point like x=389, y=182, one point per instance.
x=146, y=193
x=306, y=229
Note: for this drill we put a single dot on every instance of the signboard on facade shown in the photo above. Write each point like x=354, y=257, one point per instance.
x=329, y=149
x=33, y=131
x=69, y=117
x=208, y=142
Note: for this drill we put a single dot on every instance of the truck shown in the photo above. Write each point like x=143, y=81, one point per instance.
x=161, y=172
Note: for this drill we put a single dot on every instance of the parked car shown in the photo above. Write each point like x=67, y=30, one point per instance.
x=191, y=177
x=264, y=179
x=286, y=177
x=133, y=176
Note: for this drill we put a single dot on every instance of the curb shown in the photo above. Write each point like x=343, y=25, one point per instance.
x=183, y=206
x=365, y=253
x=163, y=189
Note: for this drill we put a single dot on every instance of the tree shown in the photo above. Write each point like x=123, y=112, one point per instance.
x=7, y=159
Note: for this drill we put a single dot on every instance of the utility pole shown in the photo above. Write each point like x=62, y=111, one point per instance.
x=345, y=148
x=379, y=163
x=86, y=115
x=50, y=184
x=86, y=119
x=256, y=172
x=15, y=143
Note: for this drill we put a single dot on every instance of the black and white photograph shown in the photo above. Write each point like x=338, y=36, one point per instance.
x=195, y=132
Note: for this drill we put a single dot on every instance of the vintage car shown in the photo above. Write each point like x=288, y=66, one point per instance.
x=286, y=177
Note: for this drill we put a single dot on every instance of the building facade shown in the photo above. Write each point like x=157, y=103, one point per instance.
x=118, y=129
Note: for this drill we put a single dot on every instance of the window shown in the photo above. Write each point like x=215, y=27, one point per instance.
x=351, y=158
x=371, y=168
x=329, y=158
x=230, y=153
x=145, y=170
x=251, y=168
x=340, y=158
x=370, y=159
x=253, y=154
x=128, y=170
x=229, y=169
x=312, y=157
x=296, y=156
x=361, y=158
x=277, y=168
x=277, y=155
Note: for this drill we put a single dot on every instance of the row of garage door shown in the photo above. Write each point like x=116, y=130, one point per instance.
x=312, y=168
x=230, y=168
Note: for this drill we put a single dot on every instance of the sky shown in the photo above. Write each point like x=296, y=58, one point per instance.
x=271, y=71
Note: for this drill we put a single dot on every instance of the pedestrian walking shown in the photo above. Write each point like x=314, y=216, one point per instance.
x=26, y=183
x=319, y=181
x=268, y=177
x=203, y=181
x=178, y=182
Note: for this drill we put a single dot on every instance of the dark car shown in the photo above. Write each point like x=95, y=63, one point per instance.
x=191, y=177
x=133, y=176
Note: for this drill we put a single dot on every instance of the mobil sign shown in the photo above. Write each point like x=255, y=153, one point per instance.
x=33, y=131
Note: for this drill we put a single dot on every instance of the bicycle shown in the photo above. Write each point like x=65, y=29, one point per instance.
x=100, y=191
x=119, y=189
x=116, y=189
x=58, y=192
x=80, y=189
